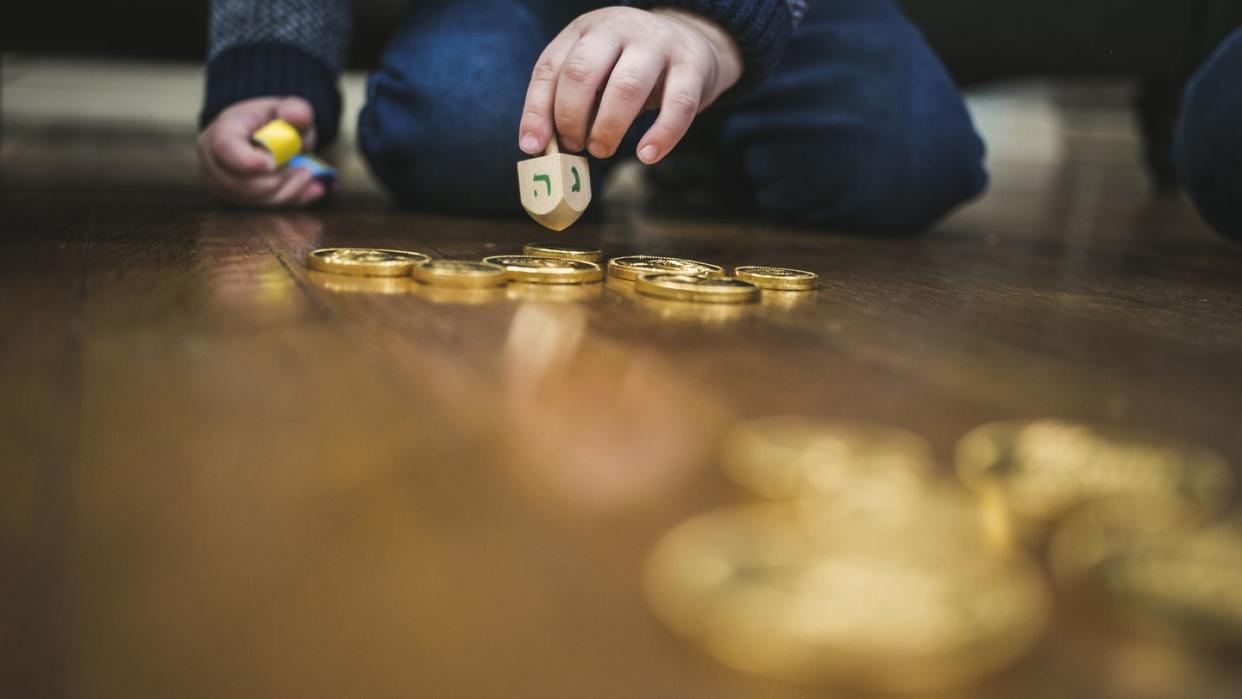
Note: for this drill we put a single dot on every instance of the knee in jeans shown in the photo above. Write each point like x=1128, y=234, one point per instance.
x=1207, y=147
x=863, y=189
x=438, y=153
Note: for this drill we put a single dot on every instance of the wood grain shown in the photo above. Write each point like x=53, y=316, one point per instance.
x=226, y=476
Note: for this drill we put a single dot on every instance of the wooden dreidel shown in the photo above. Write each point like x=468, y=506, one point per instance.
x=555, y=188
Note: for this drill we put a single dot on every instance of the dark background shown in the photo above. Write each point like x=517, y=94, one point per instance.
x=979, y=39
x=1157, y=43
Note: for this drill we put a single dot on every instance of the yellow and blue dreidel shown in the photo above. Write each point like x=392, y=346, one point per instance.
x=320, y=170
x=555, y=188
x=280, y=139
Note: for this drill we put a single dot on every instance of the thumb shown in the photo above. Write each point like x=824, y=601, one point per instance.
x=301, y=115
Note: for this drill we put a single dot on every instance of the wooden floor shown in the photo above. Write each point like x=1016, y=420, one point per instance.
x=226, y=476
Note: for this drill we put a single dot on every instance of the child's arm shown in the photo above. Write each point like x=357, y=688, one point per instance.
x=276, y=58
x=679, y=58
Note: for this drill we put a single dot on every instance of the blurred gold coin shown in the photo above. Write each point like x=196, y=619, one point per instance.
x=631, y=267
x=365, y=262
x=460, y=273
x=339, y=283
x=857, y=604
x=564, y=252
x=547, y=270
x=685, y=287
x=778, y=278
x=790, y=456
x=1155, y=568
x=1044, y=467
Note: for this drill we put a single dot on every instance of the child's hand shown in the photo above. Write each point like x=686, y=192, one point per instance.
x=241, y=172
x=669, y=58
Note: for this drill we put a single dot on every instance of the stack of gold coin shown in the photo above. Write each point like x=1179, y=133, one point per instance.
x=777, y=278
x=1154, y=567
x=460, y=274
x=915, y=603
x=564, y=252
x=366, y=262
x=631, y=267
x=784, y=457
x=547, y=270
x=1041, y=469
x=698, y=289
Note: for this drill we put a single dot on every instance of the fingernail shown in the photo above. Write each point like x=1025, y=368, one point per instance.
x=597, y=149
x=529, y=143
x=648, y=153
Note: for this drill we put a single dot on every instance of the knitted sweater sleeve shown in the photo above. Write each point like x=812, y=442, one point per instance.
x=761, y=28
x=260, y=48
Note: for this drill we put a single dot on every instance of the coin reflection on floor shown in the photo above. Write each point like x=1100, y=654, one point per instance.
x=689, y=311
x=786, y=299
x=455, y=295
x=525, y=291
x=581, y=430
x=340, y=283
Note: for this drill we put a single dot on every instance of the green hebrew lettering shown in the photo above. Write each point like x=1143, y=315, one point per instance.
x=547, y=181
x=577, y=182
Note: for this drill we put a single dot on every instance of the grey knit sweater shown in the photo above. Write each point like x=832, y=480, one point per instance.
x=297, y=47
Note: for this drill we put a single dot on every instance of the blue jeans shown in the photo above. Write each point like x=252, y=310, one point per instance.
x=1208, y=145
x=859, y=127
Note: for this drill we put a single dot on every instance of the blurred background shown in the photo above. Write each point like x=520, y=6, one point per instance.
x=1039, y=75
x=193, y=306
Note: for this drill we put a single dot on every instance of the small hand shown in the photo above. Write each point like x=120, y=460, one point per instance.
x=675, y=60
x=238, y=171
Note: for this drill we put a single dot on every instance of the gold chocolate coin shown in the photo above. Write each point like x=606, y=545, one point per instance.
x=785, y=457
x=365, y=262
x=547, y=270
x=631, y=267
x=460, y=273
x=686, y=287
x=563, y=252
x=778, y=278
x=1155, y=568
x=846, y=604
x=1042, y=468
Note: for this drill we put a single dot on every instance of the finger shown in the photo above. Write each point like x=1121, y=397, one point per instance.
x=290, y=191
x=679, y=104
x=299, y=113
x=630, y=85
x=247, y=187
x=239, y=189
x=582, y=75
x=228, y=141
x=536, y=128
x=313, y=191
